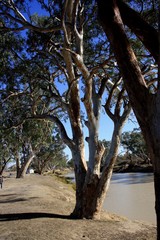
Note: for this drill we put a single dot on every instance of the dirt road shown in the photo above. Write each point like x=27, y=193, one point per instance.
x=38, y=208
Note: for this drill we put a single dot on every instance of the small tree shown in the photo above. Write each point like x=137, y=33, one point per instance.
x=35, y=137
x=51, y=156
x=135, y=146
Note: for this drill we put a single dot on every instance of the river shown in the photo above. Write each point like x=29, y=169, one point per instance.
x=131, y=195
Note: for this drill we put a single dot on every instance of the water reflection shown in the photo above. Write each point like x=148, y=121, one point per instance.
x=132, y=178
x=125, y=178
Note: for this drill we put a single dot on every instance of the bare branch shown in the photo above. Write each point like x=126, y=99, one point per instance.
x=102, y=65
x=145, y=32
x=108, y=102
x=74, y=81
x=152, y=81
x=25, y=24
x=103, y=86
x=56, y=95
x=67, y=41
x=14, y=94
x=119, y=103
x=78, y=32
x=60, y=125
x=31, y=27
x=79, y=63
x=17, y=12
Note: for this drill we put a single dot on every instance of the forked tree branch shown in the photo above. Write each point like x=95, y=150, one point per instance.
x=145, y=32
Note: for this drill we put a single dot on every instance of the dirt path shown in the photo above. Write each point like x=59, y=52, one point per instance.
x=37, y=208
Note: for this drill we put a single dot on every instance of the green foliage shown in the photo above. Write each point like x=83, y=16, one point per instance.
x=5, y=150
x=149, y=10
x=33, y=71
x=70, y=163
x=50, y=156
x=134, y=144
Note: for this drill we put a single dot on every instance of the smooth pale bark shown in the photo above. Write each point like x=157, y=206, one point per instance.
x=110, y=159
x=146, y=106
x=25, y=167
x=90, y=185
x=21, y=170
x=96, y=189
x=18, y=168
x=73, y=109
x=90, y=200
x=80, y=174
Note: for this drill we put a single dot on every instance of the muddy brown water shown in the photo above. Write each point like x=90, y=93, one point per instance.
x=131, y=195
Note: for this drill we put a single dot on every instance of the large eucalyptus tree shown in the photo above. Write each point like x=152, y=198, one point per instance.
x=144, y=93
x=65, y=80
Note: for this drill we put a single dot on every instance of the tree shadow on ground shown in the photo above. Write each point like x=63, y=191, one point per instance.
x=31, y=215
x=13, y=198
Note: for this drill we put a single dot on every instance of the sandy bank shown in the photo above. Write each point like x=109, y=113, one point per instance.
x=37, y=208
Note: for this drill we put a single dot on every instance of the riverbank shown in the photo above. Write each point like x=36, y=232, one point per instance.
x=134, y=166
x=38, y=207
x=135, y=194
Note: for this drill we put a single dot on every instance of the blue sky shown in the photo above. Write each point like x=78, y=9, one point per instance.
x=106, y=125
x=105, y=131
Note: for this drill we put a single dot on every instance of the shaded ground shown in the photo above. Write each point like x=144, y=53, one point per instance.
x=37, y=208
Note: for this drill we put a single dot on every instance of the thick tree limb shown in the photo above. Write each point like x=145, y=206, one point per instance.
x=145, y=32
x=112, y=24
x=102, y=86
x=108, y=101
